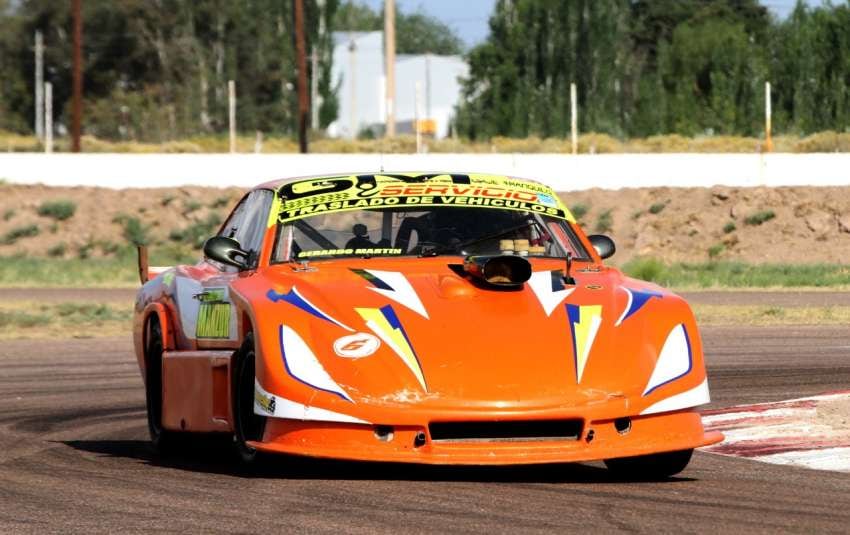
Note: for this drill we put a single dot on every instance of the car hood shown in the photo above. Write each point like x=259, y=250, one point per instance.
x=443, y=339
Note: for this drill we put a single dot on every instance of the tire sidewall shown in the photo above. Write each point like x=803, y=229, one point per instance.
x=243, y=376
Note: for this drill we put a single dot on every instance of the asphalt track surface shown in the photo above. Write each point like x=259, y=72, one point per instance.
x=74, y=457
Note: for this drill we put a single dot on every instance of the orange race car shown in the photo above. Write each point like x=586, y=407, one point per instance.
x=425, y=318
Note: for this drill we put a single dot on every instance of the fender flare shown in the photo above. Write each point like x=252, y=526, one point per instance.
x=161, y=313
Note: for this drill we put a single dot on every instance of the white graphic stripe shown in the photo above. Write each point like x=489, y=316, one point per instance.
x=402, y=292
x=284, y=408
x=541, y=284
x=690, y=398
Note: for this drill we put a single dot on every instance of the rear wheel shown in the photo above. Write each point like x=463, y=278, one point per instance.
x=650, y=467
x=161, y=439
x=247, y=425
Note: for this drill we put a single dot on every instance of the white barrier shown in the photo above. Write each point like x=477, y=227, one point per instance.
x=563, y=172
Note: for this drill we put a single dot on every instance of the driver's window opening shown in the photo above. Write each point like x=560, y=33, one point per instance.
x=432, y=231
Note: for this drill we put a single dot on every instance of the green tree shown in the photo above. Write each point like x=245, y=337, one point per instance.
x=416, y=33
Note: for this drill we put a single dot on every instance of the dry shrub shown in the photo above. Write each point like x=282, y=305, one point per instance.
x=595, y=144
x=824, y=142
x=10, y=142
x=668, y=143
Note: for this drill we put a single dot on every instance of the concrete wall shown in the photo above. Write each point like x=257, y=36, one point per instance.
x=562, y=172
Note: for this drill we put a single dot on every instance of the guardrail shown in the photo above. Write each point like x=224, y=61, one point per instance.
x=562, y=172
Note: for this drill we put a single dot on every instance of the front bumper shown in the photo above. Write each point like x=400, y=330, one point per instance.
x=599, y=440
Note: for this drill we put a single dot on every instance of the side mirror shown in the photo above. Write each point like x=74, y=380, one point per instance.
x=226, y=250
x=604, y=245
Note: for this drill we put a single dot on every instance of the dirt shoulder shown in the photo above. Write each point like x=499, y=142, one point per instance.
x=789, y=225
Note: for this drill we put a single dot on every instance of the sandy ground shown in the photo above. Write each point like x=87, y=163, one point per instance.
x=811, y=224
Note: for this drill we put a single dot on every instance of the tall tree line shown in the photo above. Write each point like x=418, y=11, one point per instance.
x=646, y=67
x=158, y=69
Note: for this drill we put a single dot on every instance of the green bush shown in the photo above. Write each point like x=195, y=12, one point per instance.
x=57, y=250
x=715, y=250
x=17, y=233
x=58, y=210
x=729, y=227
x=134, y=231
x=605, y=222
x=191, y=206
x=196, y=234
x=657, y=207
x=759, y=217
x=220, y=202
x=579, y=210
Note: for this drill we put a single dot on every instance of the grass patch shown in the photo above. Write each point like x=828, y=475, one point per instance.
x=729, y=227
x=770, y=315
x=759, y=217
x=58, y=210
x=109, y=272
x=729, y=274
x=27, y=319
x=8, y=214
x=17, y=233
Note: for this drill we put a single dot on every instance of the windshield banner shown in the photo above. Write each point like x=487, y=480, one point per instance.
x=358, y=192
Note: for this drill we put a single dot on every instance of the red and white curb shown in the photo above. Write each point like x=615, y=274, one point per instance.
x=813, y=432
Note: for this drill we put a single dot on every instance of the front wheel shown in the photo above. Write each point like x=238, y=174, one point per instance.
x=247, y=426
x=650, y=467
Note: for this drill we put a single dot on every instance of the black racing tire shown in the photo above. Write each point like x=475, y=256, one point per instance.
x=651, y=467
x=162, y=440
x=247, y=425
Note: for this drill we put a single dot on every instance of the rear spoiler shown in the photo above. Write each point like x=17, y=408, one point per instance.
x=147, y=272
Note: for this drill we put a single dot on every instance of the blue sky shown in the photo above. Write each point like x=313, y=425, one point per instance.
x=469, y=17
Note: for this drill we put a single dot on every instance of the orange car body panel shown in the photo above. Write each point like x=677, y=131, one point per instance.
x=482, y=356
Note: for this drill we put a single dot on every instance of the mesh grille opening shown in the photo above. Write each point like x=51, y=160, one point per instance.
x=506, y=431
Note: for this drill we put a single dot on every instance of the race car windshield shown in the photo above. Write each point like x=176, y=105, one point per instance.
x=427, y=231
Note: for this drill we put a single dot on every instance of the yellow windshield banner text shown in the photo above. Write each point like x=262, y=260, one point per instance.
x=358, y=192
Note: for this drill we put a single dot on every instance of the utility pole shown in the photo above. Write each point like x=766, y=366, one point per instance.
x=428, y=86
x=314, y=90
x=231, y=115
x=417, y=98
x=48, y=118
x=301, y=59
x=389, y=53
x=574, y=118
x=39, y=85
x=316, y=100
x=768, y=140
x=77, y=96
x=352, y=115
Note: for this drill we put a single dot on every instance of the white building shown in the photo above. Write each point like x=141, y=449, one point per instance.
x=358, y=72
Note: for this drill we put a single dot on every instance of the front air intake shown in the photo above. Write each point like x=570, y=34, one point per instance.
x=506, y=431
